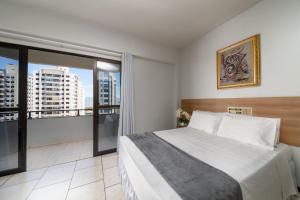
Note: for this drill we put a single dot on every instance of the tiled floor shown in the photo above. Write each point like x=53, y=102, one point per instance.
x=45, y=156
x=40, y=157
x=87, y=179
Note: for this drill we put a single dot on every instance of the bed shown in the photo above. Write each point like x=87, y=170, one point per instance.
x=262, y=174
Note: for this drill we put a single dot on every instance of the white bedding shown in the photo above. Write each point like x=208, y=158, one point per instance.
x=263, y=174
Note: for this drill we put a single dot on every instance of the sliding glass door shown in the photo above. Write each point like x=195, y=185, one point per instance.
x=107, y=84
x=13, y=72
x=13, y=103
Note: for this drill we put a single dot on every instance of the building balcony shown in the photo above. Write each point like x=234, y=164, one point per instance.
x=56, y=134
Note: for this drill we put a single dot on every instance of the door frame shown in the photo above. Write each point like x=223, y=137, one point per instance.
x=22, y=108
x=96, y=107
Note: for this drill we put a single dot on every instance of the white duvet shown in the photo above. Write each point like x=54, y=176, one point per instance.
x=263, y=174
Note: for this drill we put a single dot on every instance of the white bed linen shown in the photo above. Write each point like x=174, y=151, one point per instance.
x=263, y=174
x=257, y=131
x=205, y=121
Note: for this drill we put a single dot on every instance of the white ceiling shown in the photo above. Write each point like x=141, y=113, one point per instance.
x=173, y=23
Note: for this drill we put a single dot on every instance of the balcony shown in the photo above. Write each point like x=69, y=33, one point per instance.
x=54, y=140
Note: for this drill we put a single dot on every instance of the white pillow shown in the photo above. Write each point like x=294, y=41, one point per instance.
x=277, y=121
x=205, y=121
x=259, y=132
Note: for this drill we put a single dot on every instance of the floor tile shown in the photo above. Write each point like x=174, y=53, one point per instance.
x=114, y=193
x=57, y=174
x=92, y=191
x=110, y=160
x=87, y=175
x=110, y=154
x=111, y=176
x=90, y=162
x=25, y=177
x=3, y=179
x=86, y=149
x=87, y=154
x=45, y=156
x=63, y=165
x=57, y=191
x=39, y=163
x=17, y=192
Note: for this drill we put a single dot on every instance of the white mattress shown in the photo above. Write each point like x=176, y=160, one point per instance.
x=262, y=174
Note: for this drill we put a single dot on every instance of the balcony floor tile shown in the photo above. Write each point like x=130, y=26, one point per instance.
x=46, y=156
x=71, y=180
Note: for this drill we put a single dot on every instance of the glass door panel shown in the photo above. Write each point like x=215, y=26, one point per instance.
x=11, y=142
x=107, y=105
x=8, y=140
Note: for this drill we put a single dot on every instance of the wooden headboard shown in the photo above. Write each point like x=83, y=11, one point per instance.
x=286, y=108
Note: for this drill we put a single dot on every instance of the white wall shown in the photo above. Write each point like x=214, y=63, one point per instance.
x=278, y=23
x=56, y=26
x=155, y=100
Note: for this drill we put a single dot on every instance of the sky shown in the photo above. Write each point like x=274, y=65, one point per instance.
x=5, y=61
x=86, y=75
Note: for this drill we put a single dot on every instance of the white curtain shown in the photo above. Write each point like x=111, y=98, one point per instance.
x=126, y=121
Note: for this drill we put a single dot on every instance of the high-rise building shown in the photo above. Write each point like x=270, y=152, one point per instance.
x=2, y=80
x=54, y=92
x=30, y=92
x=107, y=88
x=9, y=79
x=81, y=97
x=11, y=86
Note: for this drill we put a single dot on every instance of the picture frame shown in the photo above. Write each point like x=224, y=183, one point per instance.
x=238, y=65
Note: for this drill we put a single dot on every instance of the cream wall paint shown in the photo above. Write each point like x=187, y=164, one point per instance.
x=155, y=101
x=47, y=24
x=278, y=23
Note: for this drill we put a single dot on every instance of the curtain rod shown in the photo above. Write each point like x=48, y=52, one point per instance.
x=56, y=43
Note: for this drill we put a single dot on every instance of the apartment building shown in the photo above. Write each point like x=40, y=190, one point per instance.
x=9, y=90
x=1, y=88
x=54, y=92
x=30, y=92
x=107, y=88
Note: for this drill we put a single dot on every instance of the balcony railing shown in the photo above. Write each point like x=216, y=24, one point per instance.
x=63, y=129
x=47, y=113
x=54, y=113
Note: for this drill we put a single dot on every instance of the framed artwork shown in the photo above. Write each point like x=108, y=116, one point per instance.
x=238, y=64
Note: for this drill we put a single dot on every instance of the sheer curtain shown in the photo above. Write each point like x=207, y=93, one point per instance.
x=126, y=121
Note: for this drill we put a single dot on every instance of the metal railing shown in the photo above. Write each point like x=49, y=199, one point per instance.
x=109, y=106
x=46, y=113
x=55, y=112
